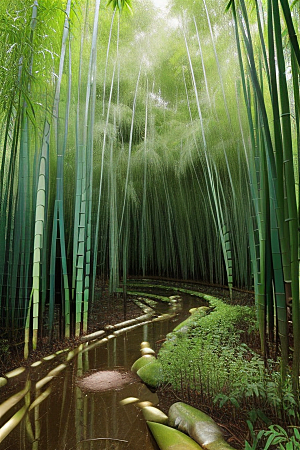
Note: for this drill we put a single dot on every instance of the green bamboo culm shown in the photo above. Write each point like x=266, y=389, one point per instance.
x=284, y=160
x=25, y=138
x=289, y=176
x=279, y=216
x=58, y=229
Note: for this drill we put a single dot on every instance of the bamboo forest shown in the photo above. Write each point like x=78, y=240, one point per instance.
x=149, y=224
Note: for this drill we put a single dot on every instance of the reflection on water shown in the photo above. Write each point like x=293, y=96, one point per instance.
x=66, y=418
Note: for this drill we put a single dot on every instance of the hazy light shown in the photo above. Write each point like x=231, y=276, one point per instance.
x=162, y=4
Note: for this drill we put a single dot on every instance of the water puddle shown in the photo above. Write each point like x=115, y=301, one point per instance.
x=59, y=415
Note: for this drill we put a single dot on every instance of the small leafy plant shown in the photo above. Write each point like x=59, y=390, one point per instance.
x=275, y=435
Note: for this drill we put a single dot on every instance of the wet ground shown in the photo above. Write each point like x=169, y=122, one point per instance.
x=60, y=414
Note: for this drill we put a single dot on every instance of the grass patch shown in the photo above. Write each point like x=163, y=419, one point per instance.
x=211, y=352
x=215, y=357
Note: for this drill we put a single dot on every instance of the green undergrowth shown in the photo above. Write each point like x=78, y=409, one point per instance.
x=211, y=354
x=213, y=357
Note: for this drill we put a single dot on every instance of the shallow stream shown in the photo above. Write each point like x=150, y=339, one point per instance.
x=67, y=417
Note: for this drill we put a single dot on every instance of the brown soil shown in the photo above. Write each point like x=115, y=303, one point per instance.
x=107, y=310
x=107, y=380
x=239, y=296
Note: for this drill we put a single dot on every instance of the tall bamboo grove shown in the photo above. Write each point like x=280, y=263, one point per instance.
x=125, y=150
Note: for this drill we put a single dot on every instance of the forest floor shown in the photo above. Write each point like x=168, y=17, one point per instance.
x=110, y=310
